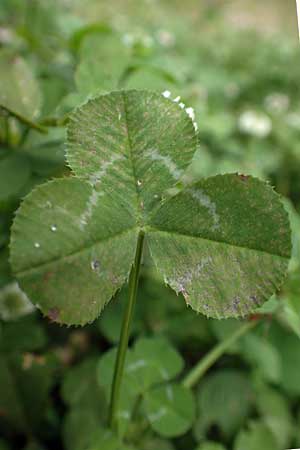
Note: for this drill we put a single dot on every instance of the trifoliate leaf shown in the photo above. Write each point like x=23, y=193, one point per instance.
x=223, y=242
x=227, y=387
x=170, y=410
x=152, y=361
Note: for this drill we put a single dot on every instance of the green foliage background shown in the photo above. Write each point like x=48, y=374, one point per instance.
x=245, y=89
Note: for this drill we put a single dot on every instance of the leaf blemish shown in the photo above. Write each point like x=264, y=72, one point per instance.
x=96, y=177
x=204, y=200
x=90, y=206
x=158, y=415
x=136, y=365
x=95, y=264
x=53, y=314
x=243, y=177
x=167, y=161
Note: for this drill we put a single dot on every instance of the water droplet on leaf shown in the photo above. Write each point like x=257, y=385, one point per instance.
x=95, y=264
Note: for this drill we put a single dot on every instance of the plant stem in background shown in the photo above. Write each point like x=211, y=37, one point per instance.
x=124, y=337
x=205, y=363
x=7, y=130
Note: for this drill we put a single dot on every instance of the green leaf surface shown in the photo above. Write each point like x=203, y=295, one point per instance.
x=15, y=172
x=156, y=443
x=18, y=375
x=87, y=254
x=3, y=445
x=13, y=302
x=287, y=345
x=152, y=361
x=130, y=389
x=103, y=60
x=138, y=159
x=275, y=412
x=230, y=241
x=24, y=334
x=19, y=90
x=230, y=388
x=80, y=388
x=105, y=440
x=262, y=355
x=210, y=446
x=128, y=149
x=170, y=410
x=79, y=427
x=257, y=437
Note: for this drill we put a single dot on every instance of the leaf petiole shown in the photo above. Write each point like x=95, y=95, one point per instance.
x=193, y=377
x=124, y=336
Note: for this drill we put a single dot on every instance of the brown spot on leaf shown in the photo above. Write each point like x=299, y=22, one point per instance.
x=243, y=177
x=27, y=361
x=47, y=276
x=53, y=314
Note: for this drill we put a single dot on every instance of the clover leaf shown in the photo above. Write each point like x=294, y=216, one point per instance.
x=222, y=242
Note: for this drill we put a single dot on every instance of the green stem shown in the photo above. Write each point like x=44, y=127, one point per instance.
x=205, y=363
x=124, y=337
x=7, y=130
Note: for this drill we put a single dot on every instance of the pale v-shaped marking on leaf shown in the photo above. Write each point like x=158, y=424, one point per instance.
x=94, y=180
x=206, y=201
x=97, y=177
x=90, y=207
x=167, y=161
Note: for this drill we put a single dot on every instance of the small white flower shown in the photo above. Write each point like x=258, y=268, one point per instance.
x=255, y=124
x=277, y=102
x=166, y=94
x=128, y=39
x=177, y=99
x=182, y=105
x=166, y=38
x=293, y=120
x=232, y=90
x=147, y=41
